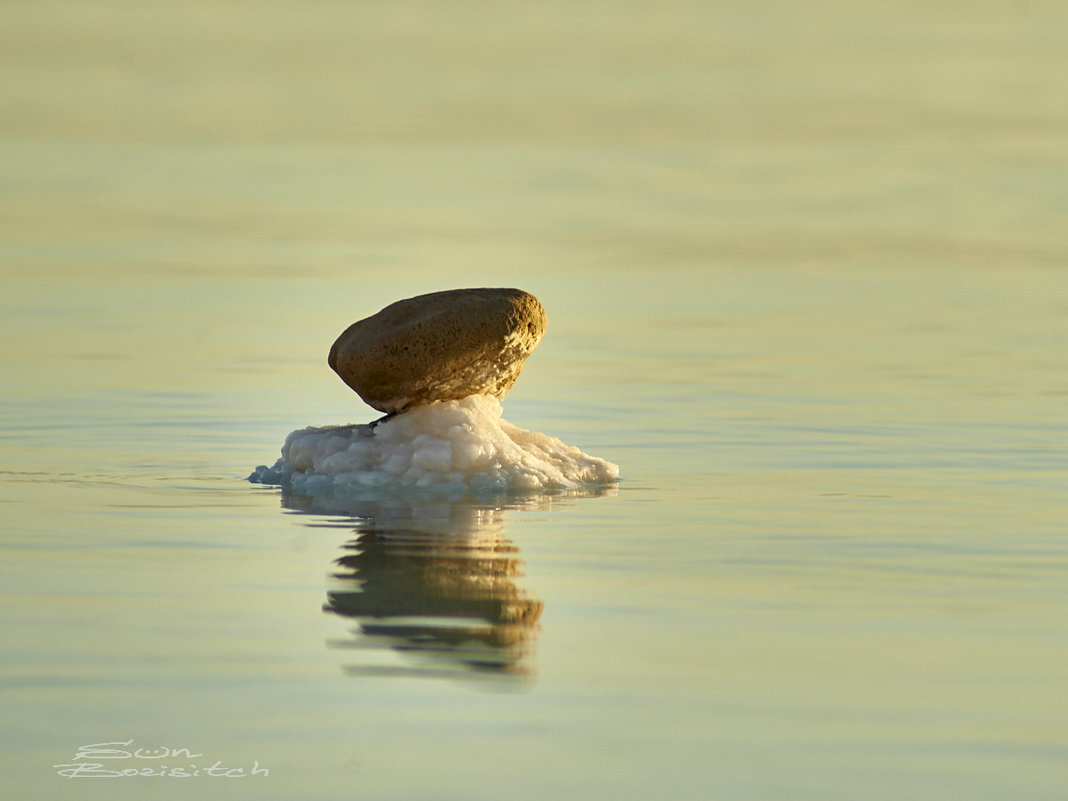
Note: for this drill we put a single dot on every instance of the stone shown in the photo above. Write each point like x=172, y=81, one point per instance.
x=442, y=346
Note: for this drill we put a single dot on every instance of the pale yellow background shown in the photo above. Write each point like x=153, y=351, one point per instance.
x=805, y=269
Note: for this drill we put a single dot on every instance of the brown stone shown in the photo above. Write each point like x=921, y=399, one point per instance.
x=442, y=346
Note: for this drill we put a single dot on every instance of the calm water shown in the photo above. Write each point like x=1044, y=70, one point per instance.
x=806, y=271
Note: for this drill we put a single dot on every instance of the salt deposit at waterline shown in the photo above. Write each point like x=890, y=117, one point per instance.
x=450, y=447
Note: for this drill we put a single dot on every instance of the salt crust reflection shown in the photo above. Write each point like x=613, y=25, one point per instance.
x=435, y=583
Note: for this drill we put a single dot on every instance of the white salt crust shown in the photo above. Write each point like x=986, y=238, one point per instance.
x=449, y=447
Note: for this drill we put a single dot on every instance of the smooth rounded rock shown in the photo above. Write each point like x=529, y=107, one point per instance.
x=442, y=346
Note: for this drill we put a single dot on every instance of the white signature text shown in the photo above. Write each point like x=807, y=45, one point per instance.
x=175, y=763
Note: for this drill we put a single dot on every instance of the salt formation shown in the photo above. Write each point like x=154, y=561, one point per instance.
x=448, y=448
x=441, y=346
x=438, y=365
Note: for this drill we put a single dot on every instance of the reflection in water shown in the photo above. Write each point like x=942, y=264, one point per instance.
x=435, y=582
x=450, y=600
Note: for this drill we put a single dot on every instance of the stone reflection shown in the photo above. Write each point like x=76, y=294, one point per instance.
x=435, y=591
x=450, y=601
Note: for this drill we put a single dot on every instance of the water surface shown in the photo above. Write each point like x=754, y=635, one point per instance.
x=805, y=276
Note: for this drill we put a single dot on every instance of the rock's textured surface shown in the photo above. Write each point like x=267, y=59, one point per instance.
x=441, y=346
